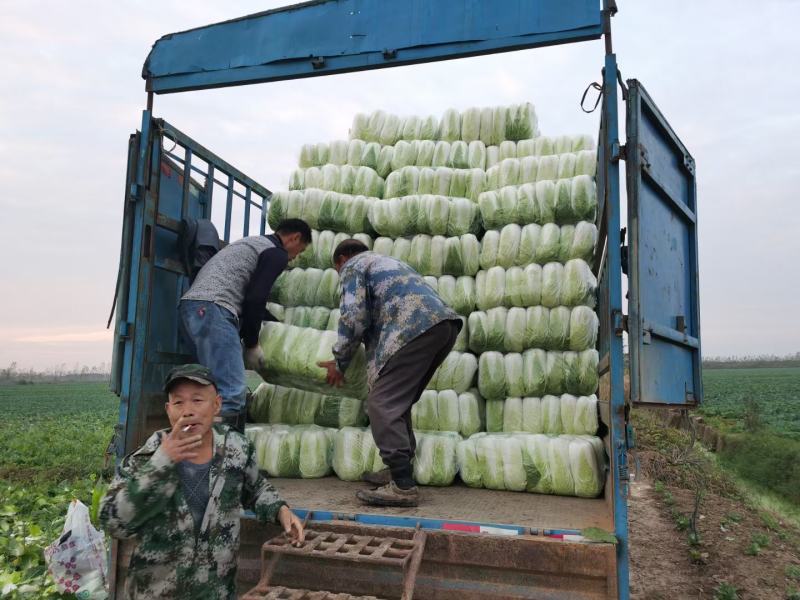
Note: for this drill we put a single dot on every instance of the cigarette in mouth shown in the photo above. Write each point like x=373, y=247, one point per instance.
x=185, y=429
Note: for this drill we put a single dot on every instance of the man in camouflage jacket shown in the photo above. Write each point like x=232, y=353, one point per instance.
x=186, y=551
x=407, y=331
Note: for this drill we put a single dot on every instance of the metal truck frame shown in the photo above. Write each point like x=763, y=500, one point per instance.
x=170, y=177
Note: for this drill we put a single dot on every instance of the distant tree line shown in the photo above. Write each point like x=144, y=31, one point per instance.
x=751, y=361
x=77, y=372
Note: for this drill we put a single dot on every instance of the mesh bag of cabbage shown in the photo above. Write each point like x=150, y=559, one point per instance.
x=566, y=465
x=278, y=404
x=291, y=355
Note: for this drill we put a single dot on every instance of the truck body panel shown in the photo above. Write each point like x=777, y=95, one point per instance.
x=662, y=220
x=339, y=36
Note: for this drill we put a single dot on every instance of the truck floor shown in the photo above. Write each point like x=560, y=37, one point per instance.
x=457, y=503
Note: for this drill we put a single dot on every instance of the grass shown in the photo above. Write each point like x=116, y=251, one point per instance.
x=52, y=441
x=767, y=460
x=758, y=410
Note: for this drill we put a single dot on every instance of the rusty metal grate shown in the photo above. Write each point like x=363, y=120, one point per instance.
x=391, y=552
x=403, y=554
x=283, y=593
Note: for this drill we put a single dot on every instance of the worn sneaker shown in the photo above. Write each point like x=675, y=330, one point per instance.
x=379, y=478
x=389, y=495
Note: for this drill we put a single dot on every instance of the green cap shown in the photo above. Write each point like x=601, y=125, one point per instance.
x=193, y=372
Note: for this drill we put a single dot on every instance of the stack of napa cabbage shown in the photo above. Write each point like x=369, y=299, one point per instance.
x=500, y=222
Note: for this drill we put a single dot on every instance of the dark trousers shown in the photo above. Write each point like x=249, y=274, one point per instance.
x=399, y=385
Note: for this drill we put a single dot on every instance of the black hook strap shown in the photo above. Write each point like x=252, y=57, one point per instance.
x=622, y=86
x=599, y=88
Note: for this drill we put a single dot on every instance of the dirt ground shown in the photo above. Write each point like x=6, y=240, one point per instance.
x=665, y=565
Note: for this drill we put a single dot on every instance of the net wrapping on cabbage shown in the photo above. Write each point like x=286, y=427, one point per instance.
x=499, y=220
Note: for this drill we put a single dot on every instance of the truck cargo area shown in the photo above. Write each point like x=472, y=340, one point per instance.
x=481, y=544
x=454, y=503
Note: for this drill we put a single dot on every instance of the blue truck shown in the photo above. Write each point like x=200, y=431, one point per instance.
x=477, y=543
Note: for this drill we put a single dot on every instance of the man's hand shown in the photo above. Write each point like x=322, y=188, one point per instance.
x=254, y=358
x=179, y=445
x=334, y=376
x=292, y=527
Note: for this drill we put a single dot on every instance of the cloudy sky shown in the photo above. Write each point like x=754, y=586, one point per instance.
x=724, y=73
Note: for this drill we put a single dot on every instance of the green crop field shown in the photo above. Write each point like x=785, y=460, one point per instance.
x=759, y=409
x=53, y=436
x=52, y=440
x=770, y=395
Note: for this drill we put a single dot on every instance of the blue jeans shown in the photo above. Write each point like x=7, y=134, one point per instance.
x=213, y=334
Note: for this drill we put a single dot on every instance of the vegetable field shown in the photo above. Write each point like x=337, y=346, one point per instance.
x=52, y=439
x=759, y=409
x=758, y=398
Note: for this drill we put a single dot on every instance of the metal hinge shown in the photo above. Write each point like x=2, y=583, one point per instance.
x=618, y=152
x=688, y=162
x=389, y=54
x=643, y=157
x=125, y=329
x=620, y=322
x=318, y=62
x=134, y=193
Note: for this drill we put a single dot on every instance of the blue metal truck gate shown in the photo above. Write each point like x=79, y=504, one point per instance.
x=179, y=183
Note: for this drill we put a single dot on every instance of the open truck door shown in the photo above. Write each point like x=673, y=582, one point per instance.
x=661, y=263
x=170, y=177
x=663, y=301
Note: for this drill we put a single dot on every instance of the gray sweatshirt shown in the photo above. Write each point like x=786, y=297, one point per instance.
x=239, y=278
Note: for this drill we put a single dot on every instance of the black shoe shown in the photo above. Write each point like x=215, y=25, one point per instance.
x=234, y=420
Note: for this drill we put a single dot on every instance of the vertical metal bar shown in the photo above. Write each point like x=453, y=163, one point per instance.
x=618, y=423
x=246, y=226
x=209, y=192
x=633, y=165
x=264, y=208
x=228, y=209
x=141, y=308
x=694, y=266
x=137, y=191
x=609, y=10
x=120, y=307
x=187, y=180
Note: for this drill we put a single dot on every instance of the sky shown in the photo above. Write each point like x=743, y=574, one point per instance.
x=723, y=73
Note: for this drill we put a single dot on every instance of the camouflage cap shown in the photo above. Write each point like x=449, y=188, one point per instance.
x=192, y=372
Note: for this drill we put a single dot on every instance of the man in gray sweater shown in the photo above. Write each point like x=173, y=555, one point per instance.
x=226, y=304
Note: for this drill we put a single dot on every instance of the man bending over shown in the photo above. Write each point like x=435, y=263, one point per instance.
x=407, y=331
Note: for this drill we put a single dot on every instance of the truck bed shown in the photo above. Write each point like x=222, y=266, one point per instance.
x=456, y=565
x=454, y=503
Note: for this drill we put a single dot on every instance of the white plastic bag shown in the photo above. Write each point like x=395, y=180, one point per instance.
x=77, y=559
